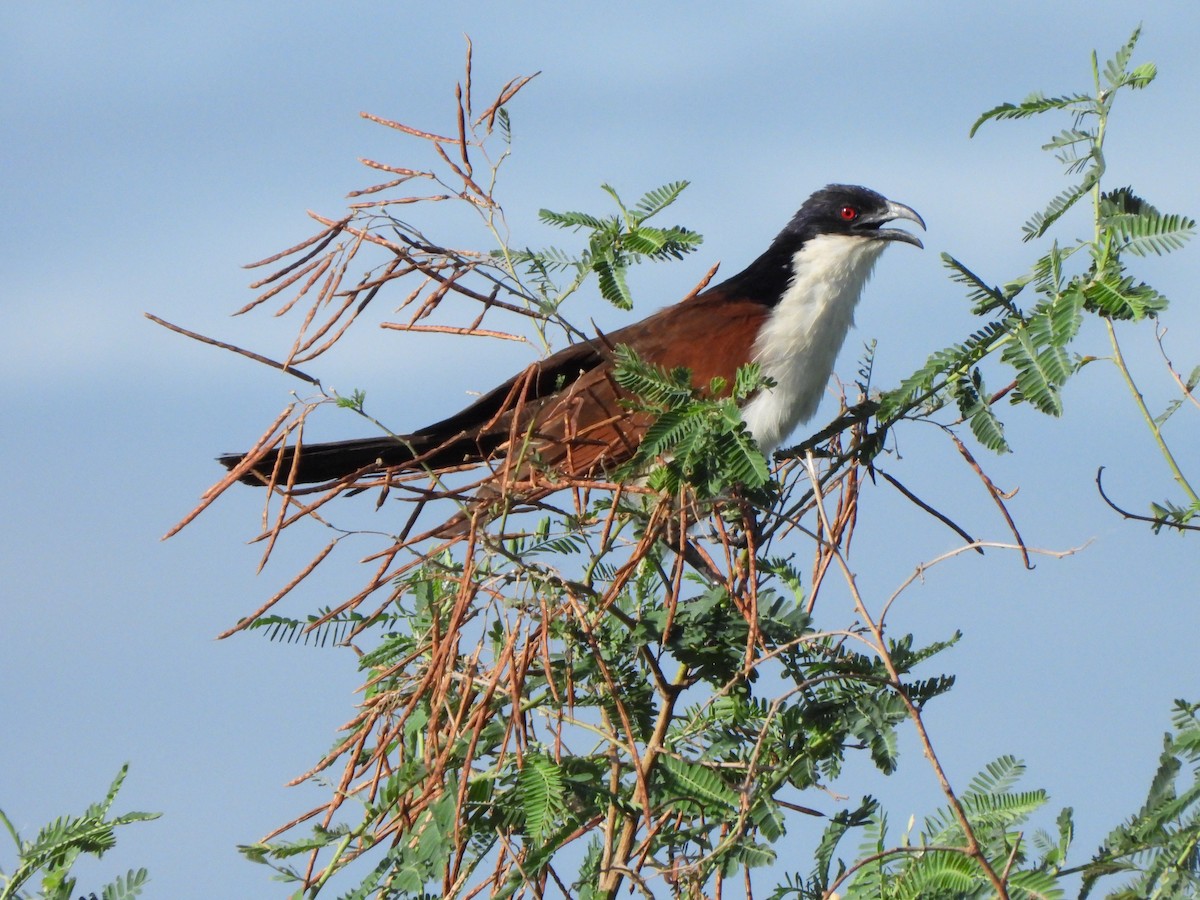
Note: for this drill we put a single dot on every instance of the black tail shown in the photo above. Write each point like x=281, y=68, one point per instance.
x=328, y=462
x=433, y=448
x=470, y=436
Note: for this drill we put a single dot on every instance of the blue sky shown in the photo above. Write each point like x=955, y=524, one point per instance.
x=150, y=151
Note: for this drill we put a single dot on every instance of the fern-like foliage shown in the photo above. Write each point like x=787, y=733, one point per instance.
x=1117, y=73
x=928, y=384
x=696, y=787
x=1139, y=227
x=1158, y=848
x=320, y=629
x=994, y=810
x=1033, y=105
x=1037, y=351
x=615, y=242
x=1116, y=296
x=125, y=887
x=1156, y=851
x=698, y=437
x=58, y=845
x=1036, y=342
x=866, y=815
x=985, y=299
x=543, y=796
x=971, y=394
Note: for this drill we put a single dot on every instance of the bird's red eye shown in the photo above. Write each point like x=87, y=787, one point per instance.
x=849, y=213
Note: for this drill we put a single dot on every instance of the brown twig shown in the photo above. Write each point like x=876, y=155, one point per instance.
x=998, y=496
x=879, y=645
x=249, y=354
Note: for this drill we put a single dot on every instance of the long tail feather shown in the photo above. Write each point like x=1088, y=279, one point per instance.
x=327, y=462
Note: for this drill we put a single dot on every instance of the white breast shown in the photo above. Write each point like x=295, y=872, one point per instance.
x=800, y=341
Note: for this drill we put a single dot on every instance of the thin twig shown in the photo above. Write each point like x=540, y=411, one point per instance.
x=249, y=354
x=941, y=517
x=1156, y=521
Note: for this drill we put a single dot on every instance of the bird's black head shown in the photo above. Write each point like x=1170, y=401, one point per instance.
x=854, y=211
x=837, y=209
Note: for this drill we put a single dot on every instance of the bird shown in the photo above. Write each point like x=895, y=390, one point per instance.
x=789, y=311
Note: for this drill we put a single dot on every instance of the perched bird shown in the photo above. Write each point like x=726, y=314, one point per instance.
x=789, y=311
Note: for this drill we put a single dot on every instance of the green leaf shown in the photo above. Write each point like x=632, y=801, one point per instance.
x=1118, y=297
x=655, y=201
x=1153, y=233
x=1033, y=105
x=984, y=297
x=1062, y=317
x=612, y=192
x=841, y=822
x=694, y=439
x=1039, y=223
x=746, y=853
x=997, y=777
x=1038, y=352
x=875, y=722
x=1139, y=227
x=540, y=786
x=1142, y=76
x=59, y=844
x=614, y=244
x=1159, y=842
x=768, y=818
x=571, y=219
x=126, y=887
x=1115, y=70
x=744, y=463
x=649, y=382
x=505, y=121
x=660, y=243
x=688, y=784
x=931, y=378
x=613, y=286
x=939, y=875
x=1069, y=138
x=1041, y=369
x=975, y=408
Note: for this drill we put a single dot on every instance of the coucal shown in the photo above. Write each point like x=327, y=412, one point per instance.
x=789, y=311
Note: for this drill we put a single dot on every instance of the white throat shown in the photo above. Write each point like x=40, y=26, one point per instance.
x=800, y=340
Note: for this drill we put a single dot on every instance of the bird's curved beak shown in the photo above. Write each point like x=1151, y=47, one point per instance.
x=897, y=211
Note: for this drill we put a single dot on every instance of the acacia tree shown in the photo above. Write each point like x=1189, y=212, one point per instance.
x=645, y=681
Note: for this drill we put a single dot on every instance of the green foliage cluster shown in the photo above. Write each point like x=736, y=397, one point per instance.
x=615, y=242
x=1156, y=848
x=698, y=438
x=728, y=755
x=60, y=843
x=1035, y=341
